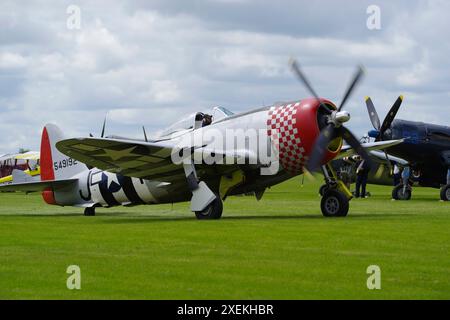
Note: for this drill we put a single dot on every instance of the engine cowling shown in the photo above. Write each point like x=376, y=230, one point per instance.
x=294, y=128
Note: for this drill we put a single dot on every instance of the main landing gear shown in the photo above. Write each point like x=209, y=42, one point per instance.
x=402, y=192
x=212, y=211
x=445, y=193
x=89, y=211
x=204, y=203
x=335, y=195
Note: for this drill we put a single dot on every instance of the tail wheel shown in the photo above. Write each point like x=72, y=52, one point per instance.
x=398, y=193
x=445, y=192
x=212, y=211
x=334, y=204
x=89, y=211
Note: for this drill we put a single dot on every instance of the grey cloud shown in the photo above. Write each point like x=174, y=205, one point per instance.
x=151, y=61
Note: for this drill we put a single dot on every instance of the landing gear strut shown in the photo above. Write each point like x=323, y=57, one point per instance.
x=403, y=190
x=89, y=211
x=204, y=202
x=335, y=195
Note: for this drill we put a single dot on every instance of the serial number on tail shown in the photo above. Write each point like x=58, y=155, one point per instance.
x=65, y=163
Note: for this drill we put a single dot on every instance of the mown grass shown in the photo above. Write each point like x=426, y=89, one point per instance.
x=278, y=248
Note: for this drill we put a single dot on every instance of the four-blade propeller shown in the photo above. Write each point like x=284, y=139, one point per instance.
x=373, y=115
x=382, y=128
x=334, y=120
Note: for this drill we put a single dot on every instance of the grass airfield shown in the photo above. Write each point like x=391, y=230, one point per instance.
x=278, y=248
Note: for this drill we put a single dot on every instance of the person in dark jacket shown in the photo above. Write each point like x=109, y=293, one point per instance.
x=362, y=173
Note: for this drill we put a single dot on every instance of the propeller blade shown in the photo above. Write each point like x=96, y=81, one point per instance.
x=320, y=146
x=356, y=78
x=354, y=143
x=390, y=116
x=373, y=115
x=295, y=67
x=103, y=128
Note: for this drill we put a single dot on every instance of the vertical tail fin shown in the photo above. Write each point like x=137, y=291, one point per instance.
x=54, y=164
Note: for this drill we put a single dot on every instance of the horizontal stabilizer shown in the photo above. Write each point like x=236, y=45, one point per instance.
x=37, y=186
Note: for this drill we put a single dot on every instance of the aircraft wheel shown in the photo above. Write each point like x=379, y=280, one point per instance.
x=445, y=193
x=334, y=204
x=89, y=211
x=212, y=211
x=323, y=189
x=398, y=194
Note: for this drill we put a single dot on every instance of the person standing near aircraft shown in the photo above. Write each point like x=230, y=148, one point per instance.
x=396, y=174
x=362, y=174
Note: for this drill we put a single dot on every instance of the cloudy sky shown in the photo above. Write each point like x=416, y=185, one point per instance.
x=150, y=62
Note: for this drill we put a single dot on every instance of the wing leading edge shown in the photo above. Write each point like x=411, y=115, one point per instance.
x=348, y=151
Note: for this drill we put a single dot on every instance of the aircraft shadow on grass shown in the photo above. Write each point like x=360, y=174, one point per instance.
x=123, y=219
x=127, y=217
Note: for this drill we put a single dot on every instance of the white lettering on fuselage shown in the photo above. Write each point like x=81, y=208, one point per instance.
x=232, y=146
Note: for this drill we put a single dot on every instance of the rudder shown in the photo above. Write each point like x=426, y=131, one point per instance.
x=54, y=164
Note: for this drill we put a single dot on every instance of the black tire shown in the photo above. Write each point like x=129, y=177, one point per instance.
x=445, y=192
x=89, y=211
x=398, y=194
x=334, y=204
x=212, y=211
x=323, y=188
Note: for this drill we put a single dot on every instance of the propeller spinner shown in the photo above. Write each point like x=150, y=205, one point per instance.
x=334, y=120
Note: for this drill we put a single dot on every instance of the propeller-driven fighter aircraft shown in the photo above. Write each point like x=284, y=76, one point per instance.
x=204, y=158
x=426, y=149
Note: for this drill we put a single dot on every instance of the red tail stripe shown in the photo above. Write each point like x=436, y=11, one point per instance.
x=47, y=172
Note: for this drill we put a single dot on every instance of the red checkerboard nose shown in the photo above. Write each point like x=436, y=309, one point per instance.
x=284, y=130
x=293, y=129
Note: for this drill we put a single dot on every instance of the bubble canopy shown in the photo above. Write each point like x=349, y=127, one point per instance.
x=190, y=122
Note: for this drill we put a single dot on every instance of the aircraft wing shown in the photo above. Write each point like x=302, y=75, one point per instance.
x=382, y=156
x=133, y=158
x=347, y=151
x=150, y=160
x=36, y=186
x=30, y=155
x=6, y=157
